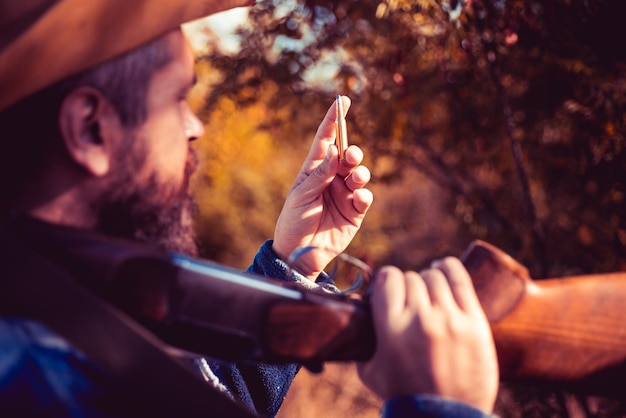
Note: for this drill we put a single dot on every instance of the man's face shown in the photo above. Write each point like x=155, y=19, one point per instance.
x=149, y=197
x=170, y=124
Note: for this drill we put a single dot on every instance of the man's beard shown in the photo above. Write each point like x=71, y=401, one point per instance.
x=153, y=213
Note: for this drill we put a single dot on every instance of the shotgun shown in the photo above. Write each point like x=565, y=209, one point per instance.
x=565, y=333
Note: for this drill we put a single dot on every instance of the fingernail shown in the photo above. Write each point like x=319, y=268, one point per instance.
x=435, y=264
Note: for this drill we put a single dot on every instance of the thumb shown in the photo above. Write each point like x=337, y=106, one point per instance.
x=322, y=175
x=324, y=136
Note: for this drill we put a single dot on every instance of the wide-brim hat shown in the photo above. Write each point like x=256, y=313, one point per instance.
x=45, y=41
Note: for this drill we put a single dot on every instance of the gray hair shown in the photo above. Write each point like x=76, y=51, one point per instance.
x=124, y=80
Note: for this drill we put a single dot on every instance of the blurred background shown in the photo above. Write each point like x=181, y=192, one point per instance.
x=500, y=120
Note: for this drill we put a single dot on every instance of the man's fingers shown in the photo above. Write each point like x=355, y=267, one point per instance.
x=352, y=158
x=324, y=136
x=319, y=179
x=438, y=288
x=460, y=283
x=417, y=295
x=359, y=177
x=388, y=296
x=362, y=200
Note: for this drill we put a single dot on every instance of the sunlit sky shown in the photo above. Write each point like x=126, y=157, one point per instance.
x=222, y=25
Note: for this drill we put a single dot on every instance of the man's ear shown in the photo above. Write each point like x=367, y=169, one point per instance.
x=90, y=129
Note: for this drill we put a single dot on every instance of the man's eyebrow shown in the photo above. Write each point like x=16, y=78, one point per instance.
x=189, y=84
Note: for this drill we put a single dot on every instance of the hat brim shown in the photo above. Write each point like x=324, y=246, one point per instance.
x=74, y=35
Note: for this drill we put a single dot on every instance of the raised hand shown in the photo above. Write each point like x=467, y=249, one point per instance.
x=327, y=202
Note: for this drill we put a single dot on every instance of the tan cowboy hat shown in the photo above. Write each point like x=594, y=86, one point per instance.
x=45, y=41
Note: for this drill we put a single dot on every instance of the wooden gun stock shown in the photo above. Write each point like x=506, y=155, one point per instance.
x=569, y=331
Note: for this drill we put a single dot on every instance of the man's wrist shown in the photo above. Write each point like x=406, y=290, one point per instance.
x=267, y=263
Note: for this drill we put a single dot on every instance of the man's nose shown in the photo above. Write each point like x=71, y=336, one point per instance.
x=194, y=129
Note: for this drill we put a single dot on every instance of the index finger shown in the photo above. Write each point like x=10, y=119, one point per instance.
x=460, y=284
x=324, y=137
x=388, y=296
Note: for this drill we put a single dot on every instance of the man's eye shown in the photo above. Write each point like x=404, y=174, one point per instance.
x=184, y=95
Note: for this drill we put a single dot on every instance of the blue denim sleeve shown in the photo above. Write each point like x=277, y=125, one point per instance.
x=267, y=263
x=430, y=406
x=262, y=387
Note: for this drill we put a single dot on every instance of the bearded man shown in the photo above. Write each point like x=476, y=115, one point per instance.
x=97, y=135
x=101, y=141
